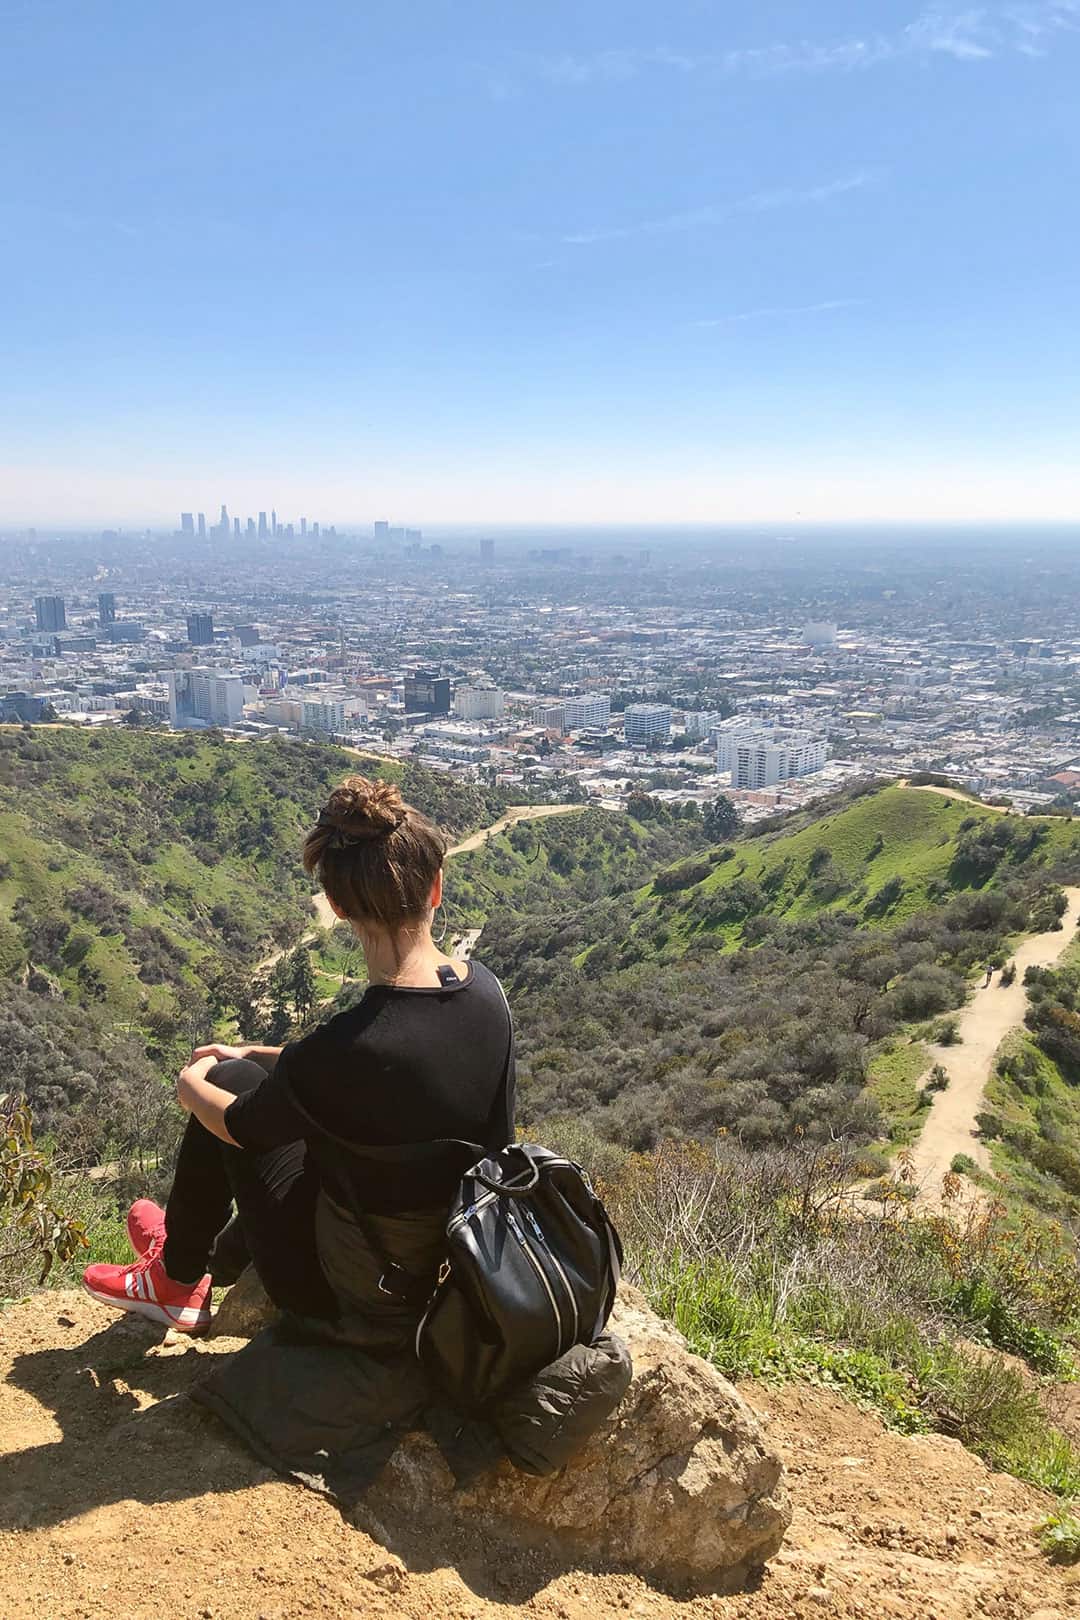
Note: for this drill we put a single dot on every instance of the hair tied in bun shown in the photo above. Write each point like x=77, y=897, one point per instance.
x=360, y=808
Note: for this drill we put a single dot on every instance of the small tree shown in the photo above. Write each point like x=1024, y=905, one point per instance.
x=722, y=819
x=301, y=981
x=31, y=1225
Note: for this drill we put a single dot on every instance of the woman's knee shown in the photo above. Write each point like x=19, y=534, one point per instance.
x=237, y=1075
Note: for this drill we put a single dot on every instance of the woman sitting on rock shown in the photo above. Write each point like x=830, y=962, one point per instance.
x=426, y=1055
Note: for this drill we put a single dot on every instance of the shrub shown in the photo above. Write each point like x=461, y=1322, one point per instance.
x=938, y=1079
x=963, y=1165
x=1059, y=1538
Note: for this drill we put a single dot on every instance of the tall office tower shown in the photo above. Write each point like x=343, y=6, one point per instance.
x=273, y=522
x=202, y=525
x=250, y=526
x=427, y=693
x=382, y=529
x=646, y=723
x=187, y=523
x=200, y=629
x=303, y=525
x=262, y=525
x=487, y=551
x=288, y=531
x=223, y=521
x=315, y=530
x=106, y=608
x=236, y=527
x=50, y=613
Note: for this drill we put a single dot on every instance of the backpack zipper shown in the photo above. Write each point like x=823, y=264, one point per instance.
x=557, y=1263
x=526, y=1248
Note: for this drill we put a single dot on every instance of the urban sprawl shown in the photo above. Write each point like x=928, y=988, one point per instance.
x=588, y=672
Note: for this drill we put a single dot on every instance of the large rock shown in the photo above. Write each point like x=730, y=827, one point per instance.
x=680, y=1484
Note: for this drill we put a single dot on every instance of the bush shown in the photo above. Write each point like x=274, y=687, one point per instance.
x=963, y=1165
x=938, y=1079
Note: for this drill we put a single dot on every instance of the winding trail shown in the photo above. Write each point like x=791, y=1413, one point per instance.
x=992, y=1013
x=516, y=813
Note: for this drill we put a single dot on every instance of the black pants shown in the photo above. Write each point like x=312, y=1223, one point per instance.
x=274, y=1225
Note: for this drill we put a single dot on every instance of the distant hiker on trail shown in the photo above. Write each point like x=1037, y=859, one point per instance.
x=342, y=1153
x=989, y=973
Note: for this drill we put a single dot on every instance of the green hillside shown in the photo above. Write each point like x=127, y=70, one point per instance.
x=772, y=984
x=882, y=859
x=142, y=877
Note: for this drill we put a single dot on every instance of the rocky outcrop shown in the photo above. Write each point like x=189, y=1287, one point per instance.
x=680, y=1484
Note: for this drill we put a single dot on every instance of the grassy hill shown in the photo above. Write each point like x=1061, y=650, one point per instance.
x=770, y=985
x=140, y=873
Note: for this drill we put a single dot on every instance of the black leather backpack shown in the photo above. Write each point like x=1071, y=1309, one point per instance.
x=533, y=1262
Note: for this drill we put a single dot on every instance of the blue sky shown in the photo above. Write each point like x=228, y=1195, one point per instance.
x=540, y=262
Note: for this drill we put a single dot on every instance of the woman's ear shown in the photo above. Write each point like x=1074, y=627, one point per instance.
x=335, y=908
x=436, y=891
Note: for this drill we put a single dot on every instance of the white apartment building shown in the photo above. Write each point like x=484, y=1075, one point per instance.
x=323, y=714
x=731, y=732
x=479, y=702
x=646, y=723
x=551, y=716
x=203, y=696
x=770, y=757
x=591, y=710
x=697, y=723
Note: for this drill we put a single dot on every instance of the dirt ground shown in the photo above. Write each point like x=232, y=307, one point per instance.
x=989, y=1016
x=117, y=1501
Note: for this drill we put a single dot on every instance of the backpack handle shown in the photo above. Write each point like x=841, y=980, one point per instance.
x=504, y=1188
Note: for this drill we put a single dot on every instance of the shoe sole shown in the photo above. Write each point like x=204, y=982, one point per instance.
x=154, y=1312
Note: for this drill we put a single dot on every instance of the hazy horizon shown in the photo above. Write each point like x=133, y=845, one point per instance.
x=564, y=265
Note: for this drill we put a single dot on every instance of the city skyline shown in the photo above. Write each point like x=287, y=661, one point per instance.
x=592, y=268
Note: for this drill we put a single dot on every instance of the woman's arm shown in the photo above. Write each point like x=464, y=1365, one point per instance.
x=207, y=1102
x=264, y=1055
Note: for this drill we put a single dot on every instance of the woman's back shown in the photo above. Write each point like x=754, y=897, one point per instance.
x=406, y=1064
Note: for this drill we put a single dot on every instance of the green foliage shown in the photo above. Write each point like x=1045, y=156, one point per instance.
x=962, y=1164
x=33, y=1229
x=144, y=875
x=757, y=1260
x=1059, y=1538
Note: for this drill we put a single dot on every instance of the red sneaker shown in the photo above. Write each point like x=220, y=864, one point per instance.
x=146, y=1289
x=146, y=1226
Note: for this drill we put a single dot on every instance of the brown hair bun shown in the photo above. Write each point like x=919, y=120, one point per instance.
x=361, y=808
x=376, y=856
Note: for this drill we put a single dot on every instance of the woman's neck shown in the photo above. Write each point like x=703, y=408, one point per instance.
x=411, y=959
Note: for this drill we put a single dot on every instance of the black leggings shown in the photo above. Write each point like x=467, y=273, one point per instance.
x=274, y=1227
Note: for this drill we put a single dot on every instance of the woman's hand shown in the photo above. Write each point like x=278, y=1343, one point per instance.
x=220, y=1054
x=197, y=1070
x=199, y=1096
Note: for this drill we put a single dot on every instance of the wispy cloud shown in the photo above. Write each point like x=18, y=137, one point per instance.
x=972, y=34
x=793, y=197
x=776, y=311
x=715, y=213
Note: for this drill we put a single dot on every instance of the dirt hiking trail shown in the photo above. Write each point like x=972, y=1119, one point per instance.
x=119, y=1503
x=983, y=1024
